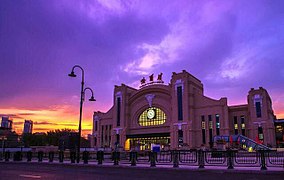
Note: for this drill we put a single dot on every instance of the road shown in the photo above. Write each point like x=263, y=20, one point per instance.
x=14, y=170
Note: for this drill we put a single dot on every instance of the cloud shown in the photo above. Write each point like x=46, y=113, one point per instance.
x=41, y=129
x=9, y=115
x=230, y=47
x=17, y=115
x=44, y=123
x=18, y=123
x=55, y=124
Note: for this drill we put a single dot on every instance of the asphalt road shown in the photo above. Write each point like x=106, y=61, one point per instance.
x=14, y=170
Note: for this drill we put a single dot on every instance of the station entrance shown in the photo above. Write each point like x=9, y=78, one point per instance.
x=143, y=142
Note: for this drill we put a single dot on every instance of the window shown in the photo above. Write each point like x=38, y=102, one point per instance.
x=243, y=126
x=118, y=112
x=236, y=125
x=96, y=125
x=179, y=101
x=106, y=134
x=210, y=131
x=217, y=124
x=102, y=136
x=258, y=109
x=110, y=129
x=152, y=117
x=203, y=129
x=144, y=143
x=260, y=133
x=180, y=137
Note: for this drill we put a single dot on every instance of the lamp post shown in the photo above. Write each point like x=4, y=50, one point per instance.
x=72, y=74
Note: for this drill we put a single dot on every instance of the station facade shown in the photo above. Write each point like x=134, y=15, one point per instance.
x=178, y=115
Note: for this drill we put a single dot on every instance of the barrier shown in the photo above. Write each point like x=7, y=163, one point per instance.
x=29, y=156
x=72, y=156
x=40, y=156
x=199, y=158
x=133, y=158
x=61, y=156
x=100, y=157
x=85, y=157
x=51, y=156
x=116, y=157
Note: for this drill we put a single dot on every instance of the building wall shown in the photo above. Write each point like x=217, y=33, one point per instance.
x=6, y=123
x=184, y=92
x=28, y=126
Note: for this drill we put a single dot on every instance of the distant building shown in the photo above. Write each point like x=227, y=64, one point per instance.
x=28, y=126
x=9, y=138
x=279, y=130
x=179, y=114
x=6, y=122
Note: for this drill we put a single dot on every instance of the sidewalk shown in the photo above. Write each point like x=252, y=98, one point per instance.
x=125, y=164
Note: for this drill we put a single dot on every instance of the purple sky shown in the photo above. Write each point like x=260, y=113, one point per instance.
x=230, y=46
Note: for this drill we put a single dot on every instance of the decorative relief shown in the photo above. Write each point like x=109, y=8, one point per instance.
x=96, y=118
x=179, y=83
x=118, y=94
x=149, y=98
x=179, y=124
x=117, y=130
x=257, y=98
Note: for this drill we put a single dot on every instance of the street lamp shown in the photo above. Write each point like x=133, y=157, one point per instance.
x=72, y=74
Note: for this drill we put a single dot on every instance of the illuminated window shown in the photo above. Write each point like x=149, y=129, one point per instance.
x=260, y=133
x=203, y=124
x=243, y=126
x=152, y=117
x=203, y=129
x=144, y=143
x=210, y=130
x=236, y=125
x=217, y=116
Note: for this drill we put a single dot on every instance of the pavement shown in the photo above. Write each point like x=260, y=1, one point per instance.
x=108, y=171
x=244, y=169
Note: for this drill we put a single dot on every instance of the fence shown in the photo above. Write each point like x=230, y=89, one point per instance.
x=198, y=158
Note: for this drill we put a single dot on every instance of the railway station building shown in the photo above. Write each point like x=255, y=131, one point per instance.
x=179, y=115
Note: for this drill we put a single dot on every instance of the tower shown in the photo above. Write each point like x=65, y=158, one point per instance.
x=261, y=116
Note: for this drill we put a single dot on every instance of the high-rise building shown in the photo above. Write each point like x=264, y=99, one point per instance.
x=6, y=122
x=28, y=126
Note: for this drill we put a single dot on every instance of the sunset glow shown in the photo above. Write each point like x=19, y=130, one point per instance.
x=231, y=46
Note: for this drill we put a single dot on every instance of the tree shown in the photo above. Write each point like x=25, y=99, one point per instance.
x=36, y=139
x=64, y=138
x=54, y=136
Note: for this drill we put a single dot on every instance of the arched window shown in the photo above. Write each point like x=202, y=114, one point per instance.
x=152, y=117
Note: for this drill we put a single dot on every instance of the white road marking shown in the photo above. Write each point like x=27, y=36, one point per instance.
x=30, y=176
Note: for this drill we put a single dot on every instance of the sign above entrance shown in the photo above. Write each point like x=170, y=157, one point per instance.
x=151, y=80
